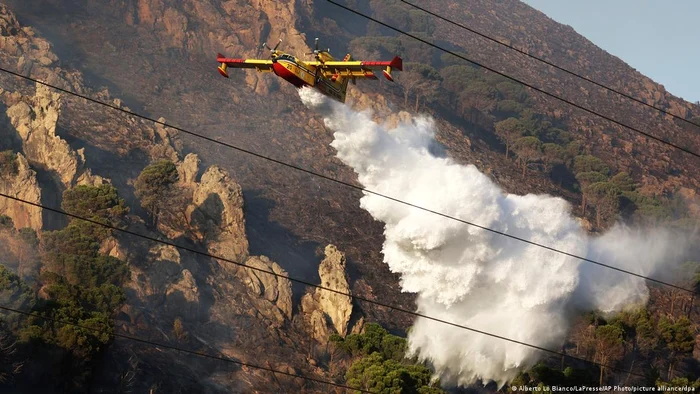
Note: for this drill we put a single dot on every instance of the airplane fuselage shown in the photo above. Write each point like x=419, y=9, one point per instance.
x=300, y=74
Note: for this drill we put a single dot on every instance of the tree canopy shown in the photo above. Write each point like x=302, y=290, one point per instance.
x=509, y=130
x=588, y=163
x=379, y=363
x=8, y=163
x=99, y=203
x=153, y=185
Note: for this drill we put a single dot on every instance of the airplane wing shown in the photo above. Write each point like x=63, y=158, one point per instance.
x=359, y=69
x=259, y=65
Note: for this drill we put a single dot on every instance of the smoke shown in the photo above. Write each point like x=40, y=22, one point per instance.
x=474, y=277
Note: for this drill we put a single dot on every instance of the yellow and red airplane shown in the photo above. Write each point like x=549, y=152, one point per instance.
x=327, y=74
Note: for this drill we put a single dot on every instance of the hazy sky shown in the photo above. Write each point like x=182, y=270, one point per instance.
x=661, y=39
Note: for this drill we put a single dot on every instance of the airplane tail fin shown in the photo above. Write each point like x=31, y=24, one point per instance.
x=396, y=63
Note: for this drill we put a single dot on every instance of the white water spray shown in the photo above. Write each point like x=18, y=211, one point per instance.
x=471, y=276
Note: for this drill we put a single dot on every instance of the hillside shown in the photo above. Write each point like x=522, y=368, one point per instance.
x=66, y=269
x=156, y=58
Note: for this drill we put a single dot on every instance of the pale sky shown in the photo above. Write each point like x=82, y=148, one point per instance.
x=661, y=39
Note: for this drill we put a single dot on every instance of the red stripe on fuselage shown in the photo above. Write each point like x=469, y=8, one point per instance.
x=229, y=60
x=281, y=70
x=382, y=64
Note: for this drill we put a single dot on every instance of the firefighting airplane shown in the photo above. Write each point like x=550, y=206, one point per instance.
x=326, y=73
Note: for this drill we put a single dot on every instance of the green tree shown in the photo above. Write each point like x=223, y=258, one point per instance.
x=28, y=235
x=376, y=374
x=679, y=382
x=456, y=78
x=605, y=196
x=552, y=155
x=13, y=290
x=588, y=163
x=542, y=375
x=649, y=209
x=421, y=22
x=416, y=50
x=8, y=164
x=508, y=131
x=379, y=363
x=573, y=149
x=420, y=80
x=154, y=186
x=624, y=182
x=79, y=284
x=528, y=150
x=6, y=223
x=477, y=95
x=512, y=91
x=679, y=338
x=643, y=325
x=98, y=203
x=585, y=179
x=609, y=347
x=95, y=202
x=508, y=108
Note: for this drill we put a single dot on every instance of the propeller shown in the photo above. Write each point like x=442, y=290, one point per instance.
x=316, y=50
x=273, y=50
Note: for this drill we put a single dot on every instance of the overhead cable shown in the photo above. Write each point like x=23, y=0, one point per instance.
x=483, y=35
x=318, y=286
x=179, y=349
x=347, y=184
x=569, y=102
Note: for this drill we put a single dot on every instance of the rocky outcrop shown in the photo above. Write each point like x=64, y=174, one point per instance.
x=182, y=297
x=112, y=247
x=217, y=211
x=35, y=119
x=160, y=281
x=216, y=218
x=31, y=51
x=326, y=312
x=188, y=169
x=22, y=185
x=163, y=142
x=235, y=311
x=26, y=52
x=274, y=289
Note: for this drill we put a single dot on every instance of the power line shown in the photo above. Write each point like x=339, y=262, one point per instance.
x=258, y=155
x=571, y=103
x=179, y=349
x=549, y=63
x=355, y=297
